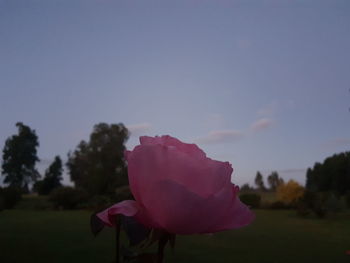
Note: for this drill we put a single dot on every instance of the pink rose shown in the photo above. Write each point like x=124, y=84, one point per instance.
x=180, y=190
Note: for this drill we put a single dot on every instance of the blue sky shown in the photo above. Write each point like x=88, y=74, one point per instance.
x=262, y=84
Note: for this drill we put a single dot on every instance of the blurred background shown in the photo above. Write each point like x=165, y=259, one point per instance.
x=261, y=84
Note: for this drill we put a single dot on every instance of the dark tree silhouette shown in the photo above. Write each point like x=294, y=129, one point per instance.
x=19, y=157
x=98, y=165
x=259, y=181
x=274, y=180
x=246, y=188
x=52, y=179
x=332, y=175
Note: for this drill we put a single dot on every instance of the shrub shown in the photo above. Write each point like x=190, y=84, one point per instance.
x=321, y=203
x=333, y=204
x=10, y=197
x=252, y=200
x=68, y=197
x=290, y=192
x=315, y=202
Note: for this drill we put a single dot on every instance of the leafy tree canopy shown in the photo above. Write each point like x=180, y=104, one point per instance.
x=290, y=192
x=259, y=181
x=52, y=179
x=20, y=156
x=98, y=165
x=274, y=180
x=332, y=175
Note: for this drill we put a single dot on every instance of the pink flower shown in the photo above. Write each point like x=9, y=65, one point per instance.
x=180, y=190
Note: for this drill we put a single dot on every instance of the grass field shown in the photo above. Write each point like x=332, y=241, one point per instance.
x=275, y=236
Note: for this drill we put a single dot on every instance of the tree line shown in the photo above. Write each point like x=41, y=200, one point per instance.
x=96, y=165
x=332, y=175
x=327, y=189
x=273, y=181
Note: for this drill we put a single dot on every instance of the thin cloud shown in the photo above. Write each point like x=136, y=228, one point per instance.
x=261, y=124
x=139, y=128
x=220, y=136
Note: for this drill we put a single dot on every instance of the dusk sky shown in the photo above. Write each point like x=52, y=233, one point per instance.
x=261, y=84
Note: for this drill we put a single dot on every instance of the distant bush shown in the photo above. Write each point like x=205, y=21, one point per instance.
x=334, y=204
x=252, y=200
x=10, y=196
x=68, y=197
x=320, y=203
x=314, y=202
x=290, y=192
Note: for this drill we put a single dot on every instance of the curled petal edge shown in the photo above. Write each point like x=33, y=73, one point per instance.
x=127, y=208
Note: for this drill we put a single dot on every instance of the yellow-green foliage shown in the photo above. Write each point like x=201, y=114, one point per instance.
x=290, y=192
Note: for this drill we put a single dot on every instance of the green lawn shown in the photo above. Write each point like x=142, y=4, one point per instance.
x=276, y=236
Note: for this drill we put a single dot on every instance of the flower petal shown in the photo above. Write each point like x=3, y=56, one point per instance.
x=167, y=140
x=148, y=164
x=180, y=211
x=127, y=208
x=236, y=216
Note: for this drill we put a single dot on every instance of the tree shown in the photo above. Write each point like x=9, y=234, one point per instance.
x=246, y=188
x=19, y=157
x=259, y=181
x=333, y=175
x=52, y=179
x=274, y=181
x=310, y=180
x=290, y=192
x=98, y=165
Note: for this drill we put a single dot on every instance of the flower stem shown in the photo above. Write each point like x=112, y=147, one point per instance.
x=161, y=245
x=117, y=235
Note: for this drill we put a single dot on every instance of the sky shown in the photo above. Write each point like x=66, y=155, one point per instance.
x=264, y=85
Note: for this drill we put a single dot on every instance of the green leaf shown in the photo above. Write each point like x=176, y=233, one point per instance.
x=96, y=225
